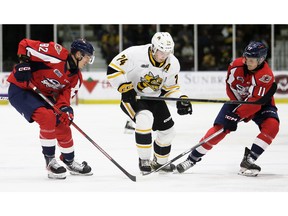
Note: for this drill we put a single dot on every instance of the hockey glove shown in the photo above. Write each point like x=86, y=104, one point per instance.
x=67, y=115
x=23, y=72
x=184, y=107
x=128, y=92
x=230, y=122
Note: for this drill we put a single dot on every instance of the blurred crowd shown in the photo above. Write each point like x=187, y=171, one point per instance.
x=213, y=50
x=214, y=42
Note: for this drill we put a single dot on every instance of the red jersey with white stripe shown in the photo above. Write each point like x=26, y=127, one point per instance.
x=48, y=62
x=242, y=84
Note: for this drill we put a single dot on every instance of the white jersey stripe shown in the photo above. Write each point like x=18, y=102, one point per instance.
x=42, y=56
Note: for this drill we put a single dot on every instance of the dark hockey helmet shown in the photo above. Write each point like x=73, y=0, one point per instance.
x=84, y=47
x=256, y=50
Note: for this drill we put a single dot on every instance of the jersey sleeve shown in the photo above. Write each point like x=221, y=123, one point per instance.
x=76, y=83
x=64, y=98
x=118, y=67
x=171, y=87
x=38, y=51
x=232, y=80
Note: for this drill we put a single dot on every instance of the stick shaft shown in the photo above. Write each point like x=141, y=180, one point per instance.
x=196, y=100
x=58, y=111
x=187, y=151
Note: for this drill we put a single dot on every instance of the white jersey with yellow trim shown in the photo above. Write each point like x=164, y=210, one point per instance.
x=136, y=64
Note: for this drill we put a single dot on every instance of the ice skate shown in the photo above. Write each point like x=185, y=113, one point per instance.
x=129, y=129
x=145, y=165
x=55, y=170
x=185, y=165
x=168, y=168
x=76, y=168
x=248, y=167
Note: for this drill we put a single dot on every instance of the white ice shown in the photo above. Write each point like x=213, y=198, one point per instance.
x=22, y=167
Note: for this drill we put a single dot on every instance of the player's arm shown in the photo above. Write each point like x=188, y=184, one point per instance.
x=117, y=69
x=76, y=83
x=231, y=92
x=116, y=74
x=63, y=103
x=33, y=50
x=171, y=88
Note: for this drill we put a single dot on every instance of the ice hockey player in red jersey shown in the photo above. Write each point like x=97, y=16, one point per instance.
x=249, y=78
x=149, y=70
x=56, y=73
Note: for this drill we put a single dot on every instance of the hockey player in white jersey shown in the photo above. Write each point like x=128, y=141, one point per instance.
x=149, y=70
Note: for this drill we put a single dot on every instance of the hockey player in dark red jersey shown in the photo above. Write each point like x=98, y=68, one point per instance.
x=249, y=78
x=56, y=73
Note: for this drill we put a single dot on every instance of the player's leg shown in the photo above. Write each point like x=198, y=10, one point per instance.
x=46, y=120
x=268, y=122
x=66, y=146
x=164, y=127
x=33, y=108
x=143, y=138
x=143, y=118
x=197, y=154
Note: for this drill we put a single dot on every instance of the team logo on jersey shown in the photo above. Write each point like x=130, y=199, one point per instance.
x=151, y=81
x=58, y=73
x=242, y=90
x=52, y=83
x=265, y=78
x=239, y=78
x=58, y=48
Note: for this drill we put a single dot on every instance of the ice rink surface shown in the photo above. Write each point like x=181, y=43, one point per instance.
x=22, y=166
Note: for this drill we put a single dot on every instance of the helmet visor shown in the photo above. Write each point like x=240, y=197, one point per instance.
x=90, y=58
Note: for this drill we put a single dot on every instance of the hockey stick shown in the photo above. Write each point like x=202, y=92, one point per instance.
x=186, y=152
x=261, y=101
x=58, y=111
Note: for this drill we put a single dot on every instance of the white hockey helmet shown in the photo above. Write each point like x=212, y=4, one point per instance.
x=162, y=41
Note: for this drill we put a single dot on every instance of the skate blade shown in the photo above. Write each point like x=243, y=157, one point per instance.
x=81, y=174
x=144, y=172
x=56, y=176
x=163, y=172
x=248, y=172
x=166, y=171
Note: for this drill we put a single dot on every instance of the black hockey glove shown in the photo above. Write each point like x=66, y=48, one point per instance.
x=67, y=115
x=231, y=121
x=184, y=107
x=128, y=92
x=23, y=72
